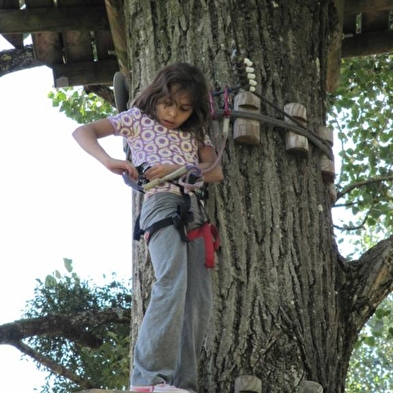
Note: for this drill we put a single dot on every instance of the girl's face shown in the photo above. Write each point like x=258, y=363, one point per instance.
x=172, y=112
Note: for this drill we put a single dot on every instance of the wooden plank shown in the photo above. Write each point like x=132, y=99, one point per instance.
x=14, y=39
x=39, y=3
x=349, y=26
x=115, y=10
x=53, y=19
x=47, y=45
x=88, y=73
x=366, y=44
x=334, y=54
x=360, y=6
x=375, y=21
x=83, y=3
x=7, y=4
x=104, y=44
x=77, y=46
x=48, y=48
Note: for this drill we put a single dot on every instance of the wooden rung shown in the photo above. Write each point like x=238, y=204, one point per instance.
x=326, y=133
x=296, y=110
x=247, y=131
x=327, y=169
x=296, y=143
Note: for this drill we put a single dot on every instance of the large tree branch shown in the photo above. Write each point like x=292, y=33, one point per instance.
x=68, y=326
x=13, y=60
x=102, y=91
x=72, y=327
x=369, y=281
x=56, y=368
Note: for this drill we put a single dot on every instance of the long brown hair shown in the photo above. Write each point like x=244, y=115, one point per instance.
x=173, y=79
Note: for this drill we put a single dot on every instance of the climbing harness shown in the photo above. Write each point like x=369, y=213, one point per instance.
x=211, y=238
x=188, y=178
x=180, y=219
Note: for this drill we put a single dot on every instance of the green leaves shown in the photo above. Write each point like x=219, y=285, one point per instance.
x=79, y=106
x=67, y=294
x=360, y=111
x=371, y=361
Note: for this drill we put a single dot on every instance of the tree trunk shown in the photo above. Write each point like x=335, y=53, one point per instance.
x=287, y=307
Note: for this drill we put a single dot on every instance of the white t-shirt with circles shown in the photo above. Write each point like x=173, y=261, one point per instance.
x=152, y=143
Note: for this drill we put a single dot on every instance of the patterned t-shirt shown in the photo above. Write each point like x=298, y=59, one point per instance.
x=152, y=143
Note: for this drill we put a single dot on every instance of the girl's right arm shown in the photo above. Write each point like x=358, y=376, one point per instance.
x=87, y=137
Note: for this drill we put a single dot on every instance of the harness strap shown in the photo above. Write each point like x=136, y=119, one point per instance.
x=211, y=239
x=180, y=218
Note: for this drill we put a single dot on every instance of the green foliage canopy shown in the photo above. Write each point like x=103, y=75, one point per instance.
x=360, y=113
x=108, y=365
x=80, y=106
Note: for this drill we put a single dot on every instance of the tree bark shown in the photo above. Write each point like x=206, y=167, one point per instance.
x=13, y=60
x=287, y=306
x=72, y=326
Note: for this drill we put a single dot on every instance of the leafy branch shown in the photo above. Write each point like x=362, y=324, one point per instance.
x=349, y=188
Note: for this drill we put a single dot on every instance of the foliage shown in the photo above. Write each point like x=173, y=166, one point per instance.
x=360, y=112
x=371, y=362
x=107, y=366
x=80, y=106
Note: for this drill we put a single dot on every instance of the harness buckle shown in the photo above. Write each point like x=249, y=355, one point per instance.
x=176, y=219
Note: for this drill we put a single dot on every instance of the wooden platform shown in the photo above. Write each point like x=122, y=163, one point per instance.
x=84, y=42
x=73, y=37
x=364, y=28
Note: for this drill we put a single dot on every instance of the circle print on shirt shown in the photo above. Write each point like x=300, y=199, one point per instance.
x=186, y=146
x=147, y=135
x=147, y=122
x=165, y=152
x=159, y=129
x=161, y=142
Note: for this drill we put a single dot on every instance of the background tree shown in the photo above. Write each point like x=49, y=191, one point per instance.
x=288, y=306
x=360, y=112
x=76, y=330
x=360, y=109
x=371, y=361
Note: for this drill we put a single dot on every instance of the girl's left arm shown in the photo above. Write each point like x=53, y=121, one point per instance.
x=207, y=159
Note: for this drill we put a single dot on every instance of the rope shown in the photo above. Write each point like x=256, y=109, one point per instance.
x=319, y=142
x=300, y=129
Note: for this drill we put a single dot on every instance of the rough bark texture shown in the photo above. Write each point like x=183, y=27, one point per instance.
x=13, y=60
x=287, y=306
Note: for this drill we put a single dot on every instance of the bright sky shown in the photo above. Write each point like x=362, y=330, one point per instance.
x=56, y=202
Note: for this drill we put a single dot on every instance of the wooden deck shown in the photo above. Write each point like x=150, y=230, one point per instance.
x=365, y=27
x=83, y=41
x=73, y=37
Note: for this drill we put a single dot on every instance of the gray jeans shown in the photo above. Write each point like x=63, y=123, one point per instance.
x=174, y=326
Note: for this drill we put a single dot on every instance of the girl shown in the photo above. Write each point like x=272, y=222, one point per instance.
x=165, y=131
